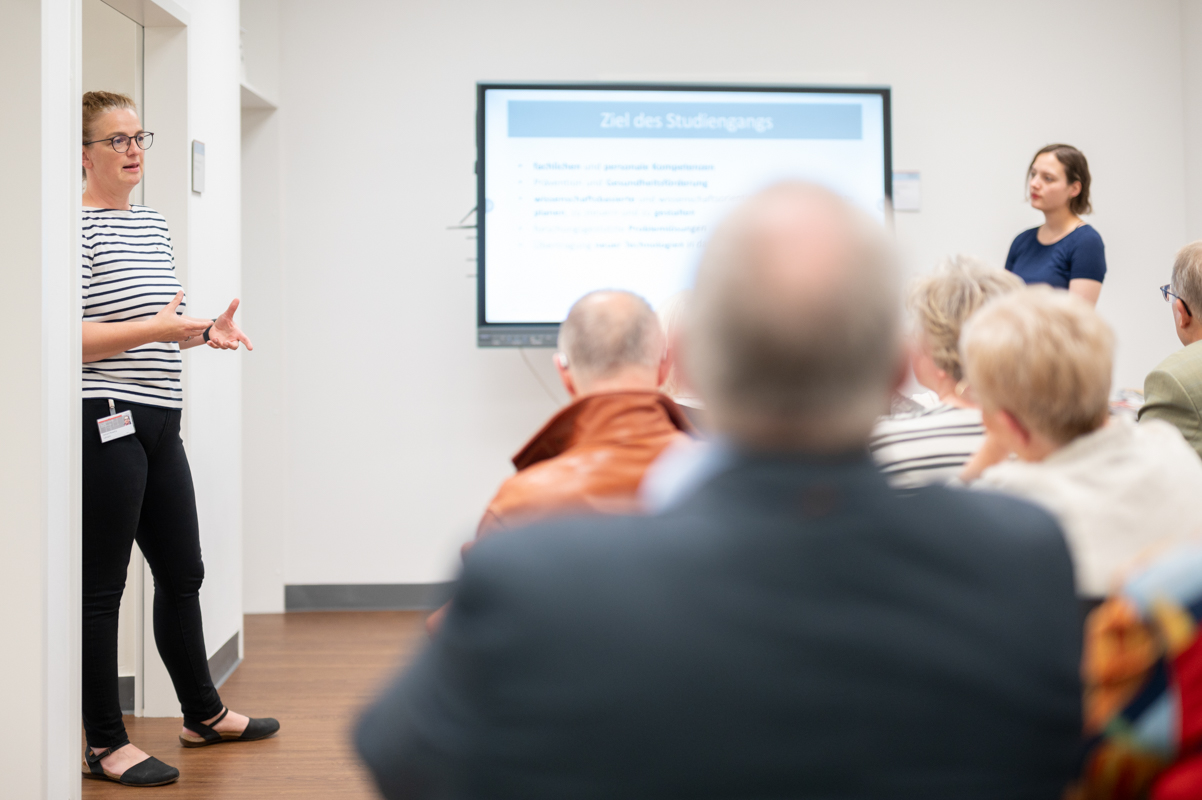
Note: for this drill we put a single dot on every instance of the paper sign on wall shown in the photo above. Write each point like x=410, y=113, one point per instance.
x=907, y=191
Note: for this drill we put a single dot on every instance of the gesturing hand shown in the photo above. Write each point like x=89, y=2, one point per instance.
x=170, y=326
x=226, y=334
x=992, y=452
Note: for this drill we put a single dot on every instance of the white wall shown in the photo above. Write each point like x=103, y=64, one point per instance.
x=399, y=429
x=112, y=51
x=1191, y=50
x=22, y=545
x=265, y=438
x=213, y=379
x=261, y=45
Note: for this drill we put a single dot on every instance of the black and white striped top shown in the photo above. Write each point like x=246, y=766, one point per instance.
x=928, y=446
x=129, y=274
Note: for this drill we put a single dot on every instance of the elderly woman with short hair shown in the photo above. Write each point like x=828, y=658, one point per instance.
x=136, y=482
x=932, y=445
x=1039, y=363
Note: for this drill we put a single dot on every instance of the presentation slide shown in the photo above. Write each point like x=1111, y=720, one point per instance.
x=587, y=189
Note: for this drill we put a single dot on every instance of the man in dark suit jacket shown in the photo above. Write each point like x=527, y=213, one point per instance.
x=792, y=628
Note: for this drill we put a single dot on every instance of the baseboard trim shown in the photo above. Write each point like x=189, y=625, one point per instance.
x=224, y=661
x=125, y=691
x=367, y=596
x=221, y=666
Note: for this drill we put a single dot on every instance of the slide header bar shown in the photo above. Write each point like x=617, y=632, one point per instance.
x=561, y=119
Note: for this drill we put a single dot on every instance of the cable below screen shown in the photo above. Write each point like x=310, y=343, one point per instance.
x=539, y=378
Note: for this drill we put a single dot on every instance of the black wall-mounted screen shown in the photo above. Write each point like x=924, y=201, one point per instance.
x=592, y=186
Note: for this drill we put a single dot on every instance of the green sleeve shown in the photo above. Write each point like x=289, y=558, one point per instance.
x=1166, y=399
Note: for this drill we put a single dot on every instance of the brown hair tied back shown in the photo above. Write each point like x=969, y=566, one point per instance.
x=95, y=105
x=1076, y=170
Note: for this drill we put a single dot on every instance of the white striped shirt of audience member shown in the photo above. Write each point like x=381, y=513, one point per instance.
x=129, y=274
x=926, y=447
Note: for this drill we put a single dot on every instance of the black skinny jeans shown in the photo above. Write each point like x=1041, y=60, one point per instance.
x=140, y=487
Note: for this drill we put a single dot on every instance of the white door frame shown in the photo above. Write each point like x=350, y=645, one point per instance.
x=61, y=346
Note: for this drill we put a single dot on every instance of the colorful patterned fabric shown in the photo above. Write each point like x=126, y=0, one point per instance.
x=1143, y=678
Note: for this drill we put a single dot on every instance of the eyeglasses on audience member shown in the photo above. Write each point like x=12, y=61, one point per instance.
x=1165, y=293
x=120, y=142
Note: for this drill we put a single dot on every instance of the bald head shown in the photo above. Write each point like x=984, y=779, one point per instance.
x=792, y=336
x=612, y=335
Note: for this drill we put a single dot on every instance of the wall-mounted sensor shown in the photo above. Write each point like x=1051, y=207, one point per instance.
x=198, y=166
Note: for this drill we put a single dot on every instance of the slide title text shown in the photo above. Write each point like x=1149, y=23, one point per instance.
x=612, y=119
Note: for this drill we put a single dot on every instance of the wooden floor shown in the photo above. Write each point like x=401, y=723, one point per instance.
x=313, y=672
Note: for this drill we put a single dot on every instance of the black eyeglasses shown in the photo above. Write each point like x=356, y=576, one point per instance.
x=1166, y=294
x=120, y=142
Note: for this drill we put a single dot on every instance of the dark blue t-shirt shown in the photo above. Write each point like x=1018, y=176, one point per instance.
x=1080, y=254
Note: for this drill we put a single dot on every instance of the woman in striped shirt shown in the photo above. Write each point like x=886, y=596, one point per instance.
x=932, y=445
x=136, y=482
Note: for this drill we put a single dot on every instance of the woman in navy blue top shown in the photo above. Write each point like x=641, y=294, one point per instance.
x=1064, y=251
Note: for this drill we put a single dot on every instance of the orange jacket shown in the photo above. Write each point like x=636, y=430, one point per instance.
x=590, y=458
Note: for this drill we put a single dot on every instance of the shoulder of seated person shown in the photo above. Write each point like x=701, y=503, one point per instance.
x=1006, y=471
x=1172, y=452
x=1188, y=359
x=1000, y=527
x=979, y=526
x=559, y=476
x=561, y=542
x=980, y=498
x=933, y=416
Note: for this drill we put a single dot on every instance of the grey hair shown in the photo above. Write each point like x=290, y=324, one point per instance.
x=1187, y=276
x=608, y=330
x=793, y=334
x=944, y=300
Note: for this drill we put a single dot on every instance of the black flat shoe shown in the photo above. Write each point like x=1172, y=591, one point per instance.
x=150, y=772
x=255, y=729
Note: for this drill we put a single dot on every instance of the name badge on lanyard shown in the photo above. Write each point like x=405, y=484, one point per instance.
x=116, y=425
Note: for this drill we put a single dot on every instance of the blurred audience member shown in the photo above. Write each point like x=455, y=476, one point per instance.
x=1143, y=694
x=1173, y=391
x=932, y=445
x=1039, y=363
x=794, y=627
x=591, y=456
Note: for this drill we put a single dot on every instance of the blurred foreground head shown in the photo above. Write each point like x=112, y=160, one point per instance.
x=792, y=334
